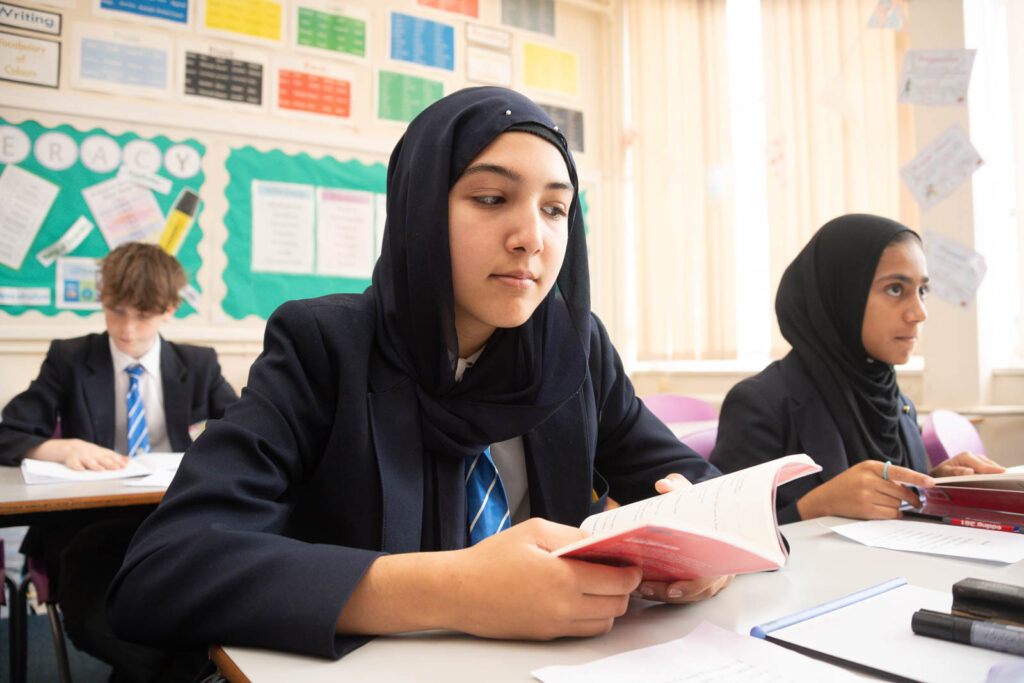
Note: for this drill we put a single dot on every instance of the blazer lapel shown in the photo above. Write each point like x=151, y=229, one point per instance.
x=559, y=467
x=394, y=421
x=816, y=429
x=174, y=376
x=99, y=390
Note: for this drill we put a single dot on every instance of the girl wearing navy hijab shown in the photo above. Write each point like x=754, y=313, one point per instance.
x=851, y=304
x=331, y=503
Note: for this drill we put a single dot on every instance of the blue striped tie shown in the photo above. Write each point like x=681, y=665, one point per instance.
x=486, y=505
x=138, y=435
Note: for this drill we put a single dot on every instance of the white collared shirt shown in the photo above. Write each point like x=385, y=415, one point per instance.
x=152, y=391
x=509, y=459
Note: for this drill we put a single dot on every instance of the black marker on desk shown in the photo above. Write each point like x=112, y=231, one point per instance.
x=977, y=632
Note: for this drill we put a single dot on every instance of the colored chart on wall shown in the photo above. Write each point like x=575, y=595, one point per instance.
x=70, y=196
x=298, y=227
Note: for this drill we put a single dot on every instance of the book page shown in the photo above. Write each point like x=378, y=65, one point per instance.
x=741, y=503
x=1012, y=480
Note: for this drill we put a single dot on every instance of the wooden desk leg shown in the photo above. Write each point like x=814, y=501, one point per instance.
x=226, y=666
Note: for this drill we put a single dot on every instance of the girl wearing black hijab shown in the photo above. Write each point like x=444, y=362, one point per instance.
x=313, y=514
x=851, y=304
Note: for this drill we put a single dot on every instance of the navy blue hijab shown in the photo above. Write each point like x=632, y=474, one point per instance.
x=525, y=373
x=820, y=305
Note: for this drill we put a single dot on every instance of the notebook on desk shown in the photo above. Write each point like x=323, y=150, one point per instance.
x=871, y=629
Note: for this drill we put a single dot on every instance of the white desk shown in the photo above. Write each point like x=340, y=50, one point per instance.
x=21, y=503
x=822, y=566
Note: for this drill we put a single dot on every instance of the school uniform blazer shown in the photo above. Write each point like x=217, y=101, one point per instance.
x=318, y=471
x=779, y=411
x=76, y=385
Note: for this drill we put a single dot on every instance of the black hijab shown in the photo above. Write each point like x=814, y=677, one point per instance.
x=820, y=306
x=525, y=373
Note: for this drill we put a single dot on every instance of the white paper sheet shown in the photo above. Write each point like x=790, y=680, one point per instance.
x=955, y=270
x=941, y=167
x=936, y=539
x=344, y=233
x=26, y=199
x=283, y=221
x=123, y=210
x=936, y=76
x=709, y=654
x=43, y=472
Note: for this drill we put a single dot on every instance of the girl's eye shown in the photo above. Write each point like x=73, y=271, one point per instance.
x=489, y=200
x=924, y=291
x=554, y=211
x=894, y=289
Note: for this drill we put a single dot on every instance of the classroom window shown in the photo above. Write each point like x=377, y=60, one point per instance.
x=754, y=122
x=996, y=186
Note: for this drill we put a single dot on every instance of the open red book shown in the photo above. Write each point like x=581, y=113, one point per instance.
x=725, y=525
x=999, y=492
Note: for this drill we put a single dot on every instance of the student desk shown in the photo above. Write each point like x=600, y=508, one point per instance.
x=21, y=504
x=822, y=566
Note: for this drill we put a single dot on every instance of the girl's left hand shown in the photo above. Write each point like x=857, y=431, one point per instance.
x=966, y=463
x=689, y=590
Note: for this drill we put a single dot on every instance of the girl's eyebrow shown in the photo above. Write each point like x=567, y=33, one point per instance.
x=902, y=278
x=511, y=175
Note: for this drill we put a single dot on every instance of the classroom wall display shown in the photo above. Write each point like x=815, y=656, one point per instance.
x=298, y=227
x=313, y=88
x=421, y=41
x=532, y=15
x=29, y=19
x=488, y=66
x=156, y=12
x=549, y=68
x=329, y=28
x=34, y=61
x=400, y=97
x=260, y=21
x=120, y=60
x=230, y=77
x=69, y=196
x=469, y=8
x=570, y=122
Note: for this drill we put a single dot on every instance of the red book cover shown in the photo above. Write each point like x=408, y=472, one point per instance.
x=725, y=525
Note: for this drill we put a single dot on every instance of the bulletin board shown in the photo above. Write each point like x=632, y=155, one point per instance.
x=301, y=213
x=67, y=164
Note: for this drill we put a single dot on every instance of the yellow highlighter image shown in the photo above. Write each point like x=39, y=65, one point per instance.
x=179, y=220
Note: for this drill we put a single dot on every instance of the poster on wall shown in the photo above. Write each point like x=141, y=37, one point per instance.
x=533, y=15
x=298, y=227
x=549, y=68
x=421, y=41
x=75, y=194
x=314, y=89
x=488, y=66
x=231, y=77
x=29, y=19
x=936, y=76
x=259, y=21
x=121, y=61
x=33, y=61
x=941, y=167
x=570, y=122
x=330, y=28
x=400, y=97
x=155, y=12
x=468, y=8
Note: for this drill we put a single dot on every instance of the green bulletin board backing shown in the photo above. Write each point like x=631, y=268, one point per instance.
x=259, y=293
x=70, y=204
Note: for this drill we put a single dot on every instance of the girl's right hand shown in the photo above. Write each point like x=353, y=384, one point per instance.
x=861, y=492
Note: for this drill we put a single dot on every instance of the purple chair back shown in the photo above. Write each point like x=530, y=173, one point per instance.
x=947, y=433
x=677, y=408
x=702, y=441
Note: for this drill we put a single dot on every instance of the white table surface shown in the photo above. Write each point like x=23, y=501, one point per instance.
x=822, y=566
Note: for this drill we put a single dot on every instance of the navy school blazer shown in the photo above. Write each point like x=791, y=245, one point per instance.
x=779, y=411
x=76, y=385
x=318, y=471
